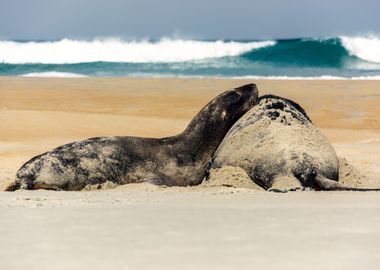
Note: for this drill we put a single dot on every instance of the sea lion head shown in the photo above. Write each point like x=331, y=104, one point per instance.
x=213, y=122
x=232, y=104
x=217, y=117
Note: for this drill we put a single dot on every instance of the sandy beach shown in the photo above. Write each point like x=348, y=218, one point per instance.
x=145, y=227
x=37, y=114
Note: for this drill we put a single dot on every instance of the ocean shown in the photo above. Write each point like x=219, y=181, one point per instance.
x=307, y=58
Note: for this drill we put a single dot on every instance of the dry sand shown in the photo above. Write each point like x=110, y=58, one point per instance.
x=145, y=227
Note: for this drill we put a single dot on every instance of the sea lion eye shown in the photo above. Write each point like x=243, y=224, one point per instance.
x=234, y=97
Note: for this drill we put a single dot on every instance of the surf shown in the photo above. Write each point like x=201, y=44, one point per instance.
x=330, y=52
x=366, y=48
x=339, y=57
x=55, y=74
x=68, y=51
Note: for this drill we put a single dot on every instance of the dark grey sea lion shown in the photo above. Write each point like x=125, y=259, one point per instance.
x=180, y=160
x=279, y=148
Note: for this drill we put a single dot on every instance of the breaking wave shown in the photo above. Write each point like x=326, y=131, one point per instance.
x=366, y=48
x=339, y=57
x=68, y=51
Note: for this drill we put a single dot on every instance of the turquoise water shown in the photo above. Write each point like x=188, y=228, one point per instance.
x=348, y=57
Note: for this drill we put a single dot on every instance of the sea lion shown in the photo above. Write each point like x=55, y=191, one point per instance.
x=279, y=148
x=180, y=160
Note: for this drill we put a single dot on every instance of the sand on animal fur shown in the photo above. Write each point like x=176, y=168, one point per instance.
x=230, y=176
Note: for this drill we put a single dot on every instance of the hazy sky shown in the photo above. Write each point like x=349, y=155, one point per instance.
x=54, y=19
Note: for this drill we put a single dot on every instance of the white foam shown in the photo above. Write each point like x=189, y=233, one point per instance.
x=252, y=77
x=323, y=77
x=375, y=77
x=69, y=51
x=366, y=48
x=54, y=74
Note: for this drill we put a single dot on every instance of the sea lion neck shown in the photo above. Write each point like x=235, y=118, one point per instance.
x=207, y=129
x=202, y=136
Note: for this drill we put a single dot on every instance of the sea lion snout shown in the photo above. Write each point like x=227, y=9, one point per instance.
x=249, y=92
x=242, y=99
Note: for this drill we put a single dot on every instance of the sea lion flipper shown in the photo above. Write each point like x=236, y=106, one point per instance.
x=15, y=185
x=324, y=183
x=284, y=184
x=43, y=185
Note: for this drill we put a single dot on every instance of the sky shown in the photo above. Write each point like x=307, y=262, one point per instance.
x=198, y=19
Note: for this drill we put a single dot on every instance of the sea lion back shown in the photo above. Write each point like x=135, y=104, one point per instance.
x=276, y=140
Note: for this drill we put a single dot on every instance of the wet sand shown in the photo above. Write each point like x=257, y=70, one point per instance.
x=143, y=227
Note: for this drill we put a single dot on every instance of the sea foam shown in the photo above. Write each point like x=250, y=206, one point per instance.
x=366, y=48
x=54, y=74
x=68, y=51
x=296, y=78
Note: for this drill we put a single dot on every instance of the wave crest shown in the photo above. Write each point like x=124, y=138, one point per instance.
x=68, y=51
x=366, y=48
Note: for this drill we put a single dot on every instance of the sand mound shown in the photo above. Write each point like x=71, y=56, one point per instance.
x=105, y=185
x=351, y=176
x=229, y=176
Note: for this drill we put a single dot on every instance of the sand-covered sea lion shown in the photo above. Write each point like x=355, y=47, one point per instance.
x=278, y=147
x=180, y=160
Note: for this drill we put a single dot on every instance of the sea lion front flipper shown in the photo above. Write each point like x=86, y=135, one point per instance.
x=13, y=186
x=284, y=184
x=36, y=185
x=43, y=185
